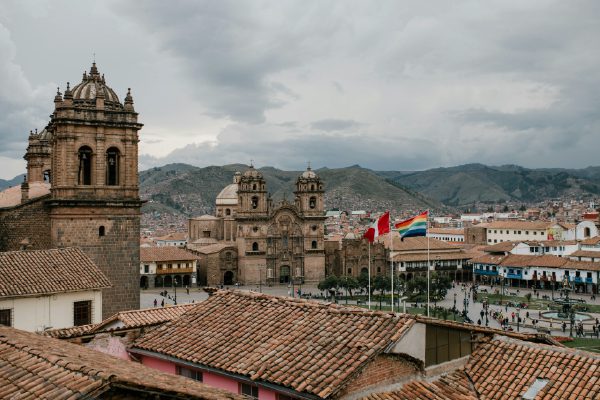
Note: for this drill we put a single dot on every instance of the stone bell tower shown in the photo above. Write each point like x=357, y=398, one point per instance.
x=309, y=194
x=94, y=201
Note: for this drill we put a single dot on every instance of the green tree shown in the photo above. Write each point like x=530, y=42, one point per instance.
x=363, y=283
x=439, y=285
x=383, y=284
x=348, y=283
x=331, y=282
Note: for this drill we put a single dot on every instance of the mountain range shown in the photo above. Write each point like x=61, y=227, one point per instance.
x=472, y=183
x=187, y=190
x=191, y=190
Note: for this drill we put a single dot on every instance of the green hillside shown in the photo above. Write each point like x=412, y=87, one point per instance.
x=188, y=190
x=471, y=183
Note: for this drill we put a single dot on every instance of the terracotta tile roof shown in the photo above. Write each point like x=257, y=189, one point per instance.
x=310, y=347
x=446, y=231
x=556, y=243
x=165, y=253
x=416, y=243
x=34, y=367
x=522, y=260
x=65, y=333
x=532, y=225
x=454, y=386
x=11, y=196
x=506, y=368
x=488, y=259
x=582, y=265
x=177, y=236
x=591, y=241
x=124, y=320
x=545, y=261
x=502, y=247
x=585, y=253
x=25, y=273
x=141, y=318
x=434, y=257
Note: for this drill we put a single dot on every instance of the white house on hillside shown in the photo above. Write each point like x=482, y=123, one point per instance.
x=44, y=289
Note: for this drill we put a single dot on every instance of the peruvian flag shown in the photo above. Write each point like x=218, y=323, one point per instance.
x=379, y=227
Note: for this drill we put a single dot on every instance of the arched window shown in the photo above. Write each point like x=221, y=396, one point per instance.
x=228, y=256
x=85, y=166
x=313, y=245
x=312, y=187
x=312, y=203
x=101, y=231
x=254, y=187
x=254, y=246
x=112, y=166
x=227, y=211
x=586, y=232
x=254, y=202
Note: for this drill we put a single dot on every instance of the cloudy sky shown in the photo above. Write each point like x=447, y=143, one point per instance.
x=395, y=85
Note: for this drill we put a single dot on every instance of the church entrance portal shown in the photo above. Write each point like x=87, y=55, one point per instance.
x=284, y=274
x=228, y=278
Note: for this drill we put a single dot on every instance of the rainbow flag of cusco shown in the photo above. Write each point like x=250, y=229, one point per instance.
x=415, y=226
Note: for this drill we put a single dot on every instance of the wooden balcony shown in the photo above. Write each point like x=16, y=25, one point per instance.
x=167, y=271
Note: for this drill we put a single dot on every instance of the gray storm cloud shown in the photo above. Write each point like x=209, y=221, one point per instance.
x=387, y=85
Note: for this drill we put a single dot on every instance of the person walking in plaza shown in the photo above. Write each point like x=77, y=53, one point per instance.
x=155, y=303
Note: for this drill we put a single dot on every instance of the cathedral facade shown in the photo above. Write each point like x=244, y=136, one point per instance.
x=251, y=240
x=81, y=188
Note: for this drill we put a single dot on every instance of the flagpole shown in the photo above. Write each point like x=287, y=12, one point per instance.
x=392, y=258
x=426, y=229
x=369, y=275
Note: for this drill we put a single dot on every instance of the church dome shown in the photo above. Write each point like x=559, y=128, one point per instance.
x=45, y=134
x=309, y=174
x=228, y=196
x=93, y=85
x=252, y=173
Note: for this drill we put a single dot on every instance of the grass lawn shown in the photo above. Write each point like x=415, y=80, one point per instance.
x=535, y=304
x=585, y=344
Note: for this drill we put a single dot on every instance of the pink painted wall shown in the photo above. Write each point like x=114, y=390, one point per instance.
x=208, y=378
x=161, y=365
x=220, y=381
x=266, y=394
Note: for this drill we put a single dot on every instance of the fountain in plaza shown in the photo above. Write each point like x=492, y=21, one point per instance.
x=567, y=310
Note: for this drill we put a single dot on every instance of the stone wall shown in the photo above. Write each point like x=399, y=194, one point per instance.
x=30, y=221
x=383, y=370
x=116, y=253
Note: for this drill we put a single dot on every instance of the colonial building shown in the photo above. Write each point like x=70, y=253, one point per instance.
x=81, y=188
x=350, y=257
x=268, y=243
x=414, y=255
x=167, y=266
x=44, y=289
x=508, y=231
x=542, y=271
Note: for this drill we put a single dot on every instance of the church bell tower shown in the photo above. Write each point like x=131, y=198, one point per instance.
x=94, y=201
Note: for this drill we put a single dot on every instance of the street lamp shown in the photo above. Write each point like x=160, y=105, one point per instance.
x=501, y=287
x=465, y=305
x=486, y=306
x=175, y=289
x=454, y=308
